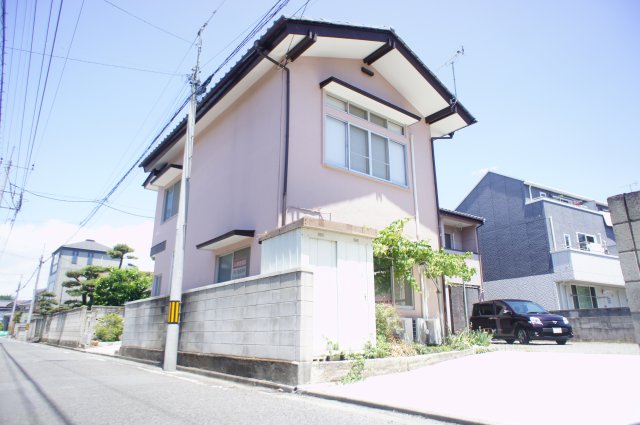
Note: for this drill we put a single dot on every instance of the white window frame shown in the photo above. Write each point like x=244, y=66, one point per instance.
x=542, y=194
x=587, y=235
x=567, y=241
x=393, y=141
x=74, y=256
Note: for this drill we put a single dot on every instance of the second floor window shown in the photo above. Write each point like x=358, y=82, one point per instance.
x=584, y=240
x=74, y=256
x=171, y=201
x=365, y=147
x=90, y=258
x=448, y=241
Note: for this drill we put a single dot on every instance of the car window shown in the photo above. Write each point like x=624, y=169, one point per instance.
x=485, y=309
x=499, y=308
x=526, y=307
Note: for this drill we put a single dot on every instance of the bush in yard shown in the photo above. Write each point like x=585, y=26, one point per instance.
x=388, y=325
x=109, y=327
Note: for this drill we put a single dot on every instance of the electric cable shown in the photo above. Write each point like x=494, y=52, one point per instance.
x=146, y=22
x=90, y=62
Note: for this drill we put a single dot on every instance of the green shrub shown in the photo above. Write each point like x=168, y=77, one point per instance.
x=109, y=327
x=468, y=339
x=388, y=325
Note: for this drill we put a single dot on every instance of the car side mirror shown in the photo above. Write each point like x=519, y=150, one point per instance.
x=506, y=312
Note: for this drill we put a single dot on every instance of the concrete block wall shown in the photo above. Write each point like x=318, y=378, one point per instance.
x=65, y=328
x=145, y=324
x=263, y=317
x=625, y=216
x=600, y=324
x=74, y=328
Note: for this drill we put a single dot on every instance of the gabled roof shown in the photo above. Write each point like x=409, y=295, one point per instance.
x=379, y=49
x=86, y=245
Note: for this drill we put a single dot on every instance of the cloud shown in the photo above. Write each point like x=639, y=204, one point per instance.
x=27, y=241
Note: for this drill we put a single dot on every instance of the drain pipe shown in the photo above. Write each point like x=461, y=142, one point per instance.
x=445, y=324
x=262, y=53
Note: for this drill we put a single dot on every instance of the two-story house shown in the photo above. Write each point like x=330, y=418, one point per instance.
x=318, y=119
x=544, y=244
x=75, y=256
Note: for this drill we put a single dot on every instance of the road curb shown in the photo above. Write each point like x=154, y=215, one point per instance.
x=389, y=408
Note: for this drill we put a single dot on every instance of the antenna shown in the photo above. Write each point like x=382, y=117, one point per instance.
x=451, y=61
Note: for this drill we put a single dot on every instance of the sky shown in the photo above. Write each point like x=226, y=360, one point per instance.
x=553, y=85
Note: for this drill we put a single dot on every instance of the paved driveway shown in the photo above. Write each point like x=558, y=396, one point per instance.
x=580, y=383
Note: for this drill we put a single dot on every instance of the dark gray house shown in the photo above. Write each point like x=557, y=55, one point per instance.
x=545, y=244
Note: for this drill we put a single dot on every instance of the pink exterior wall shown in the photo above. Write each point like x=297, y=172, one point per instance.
x=237, y=172
x=349, y=197
x=234, y=183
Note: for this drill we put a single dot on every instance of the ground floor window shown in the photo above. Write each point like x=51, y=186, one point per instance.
x=392, y=291
x=156, y=286
x=584, y=296
x=233, y=266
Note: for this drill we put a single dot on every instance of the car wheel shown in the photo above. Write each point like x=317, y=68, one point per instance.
x=510, y=340
x=522, y=336
x=561, y=341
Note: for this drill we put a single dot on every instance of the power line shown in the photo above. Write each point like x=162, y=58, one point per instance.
x=147, y=22
x=80, y=201
x=32, y=141
x=111, y=65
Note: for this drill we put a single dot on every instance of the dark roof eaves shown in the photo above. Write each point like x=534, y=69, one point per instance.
x=462, y=214
x=279, y=30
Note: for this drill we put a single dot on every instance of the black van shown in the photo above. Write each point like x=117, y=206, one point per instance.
x=520, y=320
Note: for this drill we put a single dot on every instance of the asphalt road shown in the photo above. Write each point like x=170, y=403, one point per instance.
x=47, y=385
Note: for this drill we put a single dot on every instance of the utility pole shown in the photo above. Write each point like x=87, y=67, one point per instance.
x=35, y=294
x=175, y=291
x=15, y=302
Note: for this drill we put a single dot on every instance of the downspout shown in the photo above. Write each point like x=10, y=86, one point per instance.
x=435, y=183
x=261, y=52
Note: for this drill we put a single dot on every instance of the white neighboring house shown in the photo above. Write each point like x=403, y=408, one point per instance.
x=72, y=257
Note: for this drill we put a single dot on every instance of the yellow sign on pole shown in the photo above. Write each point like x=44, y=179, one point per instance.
x=174, y=312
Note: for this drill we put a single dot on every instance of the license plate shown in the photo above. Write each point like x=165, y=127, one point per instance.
x=557, y=330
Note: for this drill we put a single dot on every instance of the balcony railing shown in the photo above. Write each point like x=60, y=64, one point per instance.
x=473, y=261
x=588, y=266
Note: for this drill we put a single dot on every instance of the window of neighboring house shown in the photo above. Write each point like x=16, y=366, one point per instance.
x=448, y=241
x=584, y=240
x=74, y=256
x=363, y=150
x=54, y=263
x=156, y=286
x=584, y=296
x=233, y=266
x=391, y=291
x=542, y=194
x=90, y=258
x=171, y=201
x=567, y=241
